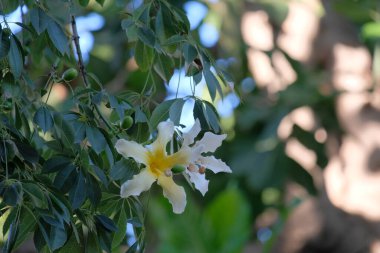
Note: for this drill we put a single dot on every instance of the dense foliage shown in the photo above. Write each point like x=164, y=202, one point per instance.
x=60, y=172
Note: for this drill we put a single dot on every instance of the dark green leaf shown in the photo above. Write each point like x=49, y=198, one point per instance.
x=36, y=194
x=56, y=163
x=15, y=58
x=189, y=52
x=28, y=153
x=12, y=234
x=199, y=113
x=100, y=174
x=96, y=139
x=58, y=237
x=4, y=45
x=101, y=2
x=175, y=111
x=43, y=118
x=94, y=193
x=77, y=194
x=26, y=227
x=84, y=3
x=122, y=228
x=146, y=35
x=212, y=83
x=57, y=36
x=161, y=113
x=163, y=65
x=211, y=116
x=39, y=19
x=143, y=55
x=106, y=222
x=123, y=170
x=12, y=194
x=65, y=178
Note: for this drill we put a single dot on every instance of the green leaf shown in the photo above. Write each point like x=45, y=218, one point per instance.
x=123, y=170
x=4, y=45
x=161, y=113
x=212, y=83
x=84, y=3
x=146, y=35
x=199, y=113
x=77, y=194
x=101, y=2
x=163, y=65
x=64, y=129
x=100, y=174
x=65, y=178
x=15, y=58
x=12, y=234
x=175, y=111
x=371, y=30
x=57, y=37
x=56, y=163
x=36, y=194
x=106, y=222
x=43, y=118
x=122, y=228
x=28, y=152
x=12, y=195
x=189, y=52
x=143, y=55
x=232, y=226
x=58, y=237
x=39, y=19
x=96, y=139
x=94, y=193
x=26, y=227
x=211, y=116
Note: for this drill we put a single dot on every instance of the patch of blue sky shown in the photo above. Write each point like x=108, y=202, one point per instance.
x=208, y=34
x=13, y=17
x=184, y=84
x=226, y=106
x=195, y=12
x=86, y=25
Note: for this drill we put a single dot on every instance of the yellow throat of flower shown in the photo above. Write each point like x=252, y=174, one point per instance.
x=159, y=161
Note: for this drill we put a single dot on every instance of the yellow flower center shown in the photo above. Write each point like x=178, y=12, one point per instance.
x=159, y=161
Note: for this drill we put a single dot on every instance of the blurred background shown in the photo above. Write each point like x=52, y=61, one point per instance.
x=303, y=123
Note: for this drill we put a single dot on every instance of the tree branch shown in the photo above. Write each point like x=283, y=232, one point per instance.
x=82, y=69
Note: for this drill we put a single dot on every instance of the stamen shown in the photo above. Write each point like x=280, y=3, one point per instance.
x=192, y=167
x=202, y=170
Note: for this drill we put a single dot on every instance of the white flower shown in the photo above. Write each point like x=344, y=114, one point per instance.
x=198, y=161
x=159, y=164
x=158, y=167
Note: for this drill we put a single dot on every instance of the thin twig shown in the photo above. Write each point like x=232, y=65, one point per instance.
x=82, y=69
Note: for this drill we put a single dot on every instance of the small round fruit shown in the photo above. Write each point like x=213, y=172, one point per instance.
x=127, y=122
x=70, y=74
x=178, y=169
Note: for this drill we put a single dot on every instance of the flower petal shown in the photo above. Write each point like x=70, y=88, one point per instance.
x=188, y=138
x=132, y=149
x=215, y=165
x=138, y=184
x=210, y=141
x=174, y=193
x=199, y=180
x=165, y=134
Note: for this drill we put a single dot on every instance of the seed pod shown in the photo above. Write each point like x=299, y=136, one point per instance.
x=178, y=169
x=127, y=122
x=70, y=74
